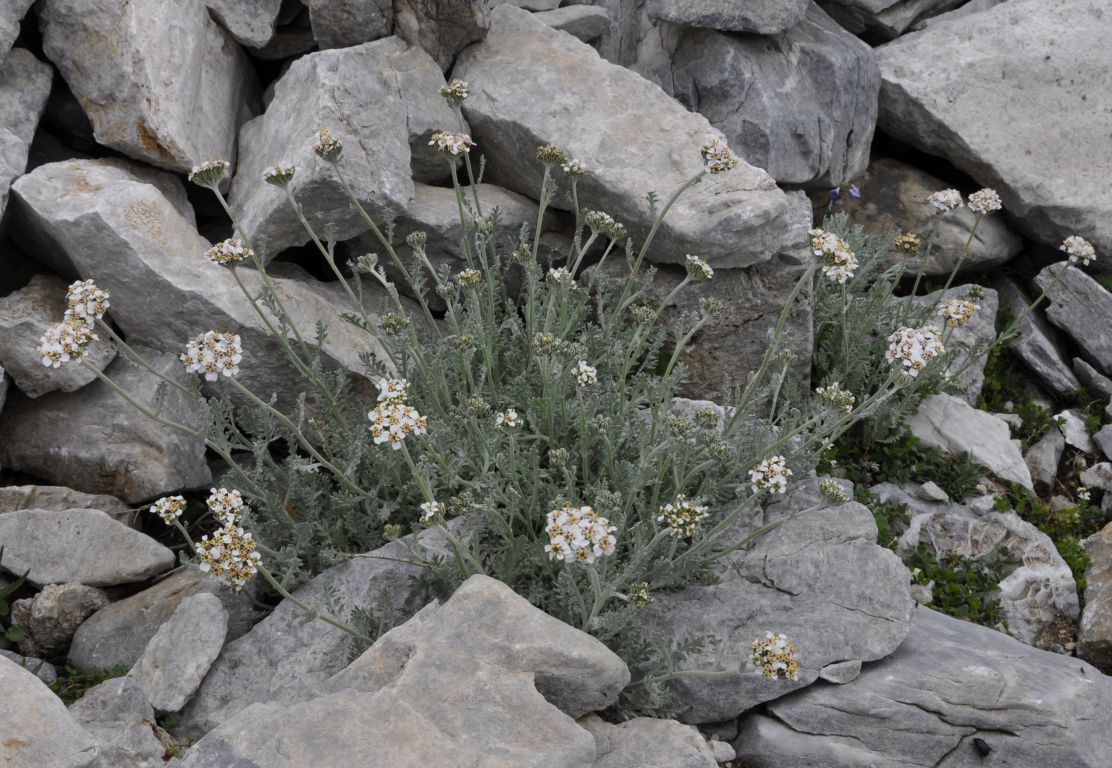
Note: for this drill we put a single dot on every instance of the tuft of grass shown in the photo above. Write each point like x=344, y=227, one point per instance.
x=72, y=684
x=963, y=588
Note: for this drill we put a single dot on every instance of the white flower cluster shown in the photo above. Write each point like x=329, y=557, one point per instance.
x=469, y=278
x=562, y=277
x=328, y=147
x=392, y=420
x=213, y=353
x=226, y=506
x=775, y=656
x=230, y=251
x=574, y=168
x=578, y=535
x=717, y=157
x=431, y=509
x=603, y=222
x=985, y=201
x=682, y=515
x=279, y=174
x=838, y=261
x=229, y=555
x=169, y=508
x=771, y=474
x=958, y=312
x=85, y=303
x=838, y=397
x=455, y=91
x=698, y=268
x=1078, y=249
x=585, y=375
x=945, y=200
x=508, y=419
x=208, y=173
x=913, y=348
x=833, y=492
x=451, y=144
x=65, y=341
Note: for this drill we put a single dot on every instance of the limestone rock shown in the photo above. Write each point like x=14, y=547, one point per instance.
x=1037, y=344
x=382, y=100
x=181, y=652
x=24, y=317
x=78, y=545
x=585, y=22
x=953, y=425
x=1103, y=439
x=24, y=88
x=1072, y=426
x=1033, y=595
x=41, y=669
x=985, y=124
x=819, y=578
x=802, y=105
x=1081, y=308
x=97, y=442
x=457, y=685
x=442, y=27
x=10, y=14
x=1094, y=634
x=13, y=497
x=343, y=23
x=950, y=690
x=121, y=722
x=645, y=742
x=1044, y=457
x=250, y=22
x=765, y=17
x=1098, y=476
x=533, y=85
x=37, y=729
x=1091, y=379
x=4, y=381
x=54, y=614
x=885, y=19
x=894, y=199
x=842, y=672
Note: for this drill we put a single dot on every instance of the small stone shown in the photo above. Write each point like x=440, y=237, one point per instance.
x=343, y=23
x=585, y=22
x=1037, y=344
x=1103, y=439
x=1072, y=427
x=54, y=614
x=37, y=730
x=14, y=497
x=644, y=742
x=723, y=752
x=1043, y=458
x=764, y=17
x=441, y=27
x=922, y=594
x=841, y=672
x=250, y=22
x=1013, y=420
x=929, y=491
x=1094, y=633
x=180, y=654
x=121, y=722
x=40, y=668
x=1098, y=476
x=1092, y=379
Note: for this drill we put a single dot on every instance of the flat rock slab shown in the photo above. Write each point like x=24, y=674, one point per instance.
x=343, y=23
x=1081, y=307
x=802, y=107
x=885, y=19
x=121, y=722
x=442, y=27
x=819, y=578
x=56, y=497
x=950, y=690
x=457, y=685
x=1094, y=634
x=950, y=423
x=645, y=742
x=160, y=82
x=964, y=88
x=24, y=89
x=37, y=730
x=1037, y=344
x=82, y=545
x=179, y=655
x=765, y=17
x=250, y=22
x=533, y=85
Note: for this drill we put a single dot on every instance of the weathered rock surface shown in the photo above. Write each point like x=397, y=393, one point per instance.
x=250, y=22
x=37, y=730
x=1072, y=426
x=24, y=89
x=1044, y=457
x=1098, y=476
x=1103, y=439
x=343, y=23
x=533, y=85
x=1037, y=344
x=819, y=578
x=985, y=124
x=765, y=17
x=802, y=105
x=161, y=82
x=78, y=545
x=1035, y=594
x=952, y=689
x=1081, y=308
x=457, y=685
x=41, y=669
x=885, y=19
x=894, y=199
x=13, y=497
x=5, y=380
x=585, y=22
x=644, y=742
x=11, y=12
x=382, y=100
x=1092, y=379
x=119, y=633
x=102, y=223
x=442, y=27
x=97, y=442
x=120, y=721
x=24, y=316
x=53, y=615
x=181, y=652
x=953, y=425
x=1094, y=634
x=970, y=341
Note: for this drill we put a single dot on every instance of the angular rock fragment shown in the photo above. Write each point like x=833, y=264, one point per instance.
x=885, y=19
x=1037, y=344
x=24, y=89
x=121, y=722
x=585, y=22
x=250, y=22
x=343, y=23
x=37, y=730
x=53, y=615
x=764, y=17
x=442, y=27
x=644, y=742
x=13, y=497
x=10, y=15
x=1082, y=308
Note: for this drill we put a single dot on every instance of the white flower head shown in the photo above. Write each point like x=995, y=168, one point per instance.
x=837, y=396
x=85, y=303
x=209, y=173
x=169, y=508
x=574, y=168
x=717, y=157
x=771, y=474
x=213, y=353
x=698, y=268
x=1078, y=249
x=945, y=200
x=985, y=201
x=913, y=348
x=578, y=535
x=226, y=505
x=838, y=261
x=279, y=174
x=585, y=375
x=328, y=147
x=469, y=278
x=393, y=419
x=562, y=277
x=958, y=312
x=1084, y=494
x=455, y=92
x=431, y=510
x=508, y=419
x=775, y=656
x=229, y=555
x=65, y=341
x=228, y=252
x=682, y=515
x=451, y=144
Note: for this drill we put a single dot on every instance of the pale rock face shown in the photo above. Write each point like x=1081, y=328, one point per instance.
x=53, y=615
x=442, y=27
x=1094, y=635
x=38, y=731
x=764, y=17
x=250, y=22
x=885, y=19
x=1081, y=307
x=1037, y=344
x=24, y=89
x=11, y=11
x=343, y=23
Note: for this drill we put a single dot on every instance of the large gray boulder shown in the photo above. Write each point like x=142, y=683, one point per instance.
x=894, y=199
x=442, y=27
x=37, y=730
x=249, y=22
x=53, y=615
x=13, y=497
x=1037, y=344
x=11, y=12
x=765, y=17
x=885, y=19
x=950, y=423
x=1094, y=633
x=24, y=89
x=24, y=316
x=343, y=23
x=955, y=694
x=457, y=685
x=802, y=105
x=121, y=722
x=533, y=85
x=161, y=82
x=1081, y=307
x=645, y=742
x=78, y=545
x=584, y=22
x=354, y=93
x=97, y=442
x=985, y=125
x=820, y=578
